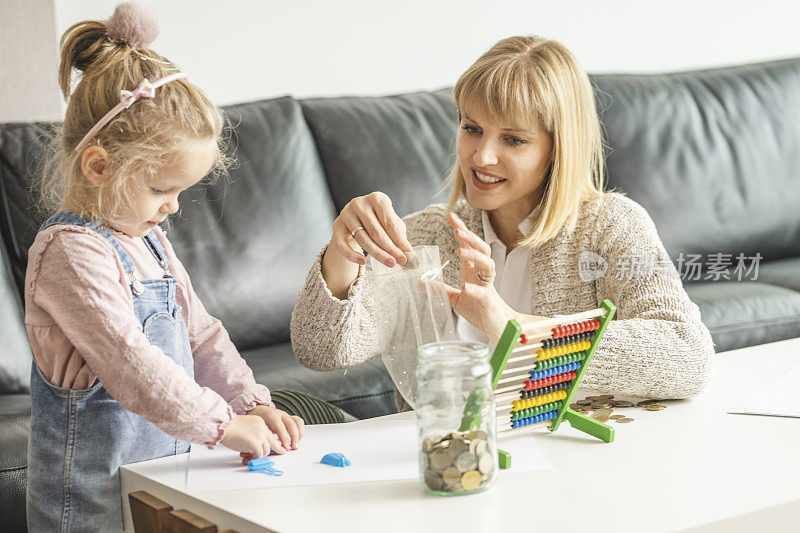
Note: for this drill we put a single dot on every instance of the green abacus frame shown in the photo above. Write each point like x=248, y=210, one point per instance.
x=577, y=420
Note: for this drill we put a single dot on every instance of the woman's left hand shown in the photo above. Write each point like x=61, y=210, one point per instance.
x=478, y=301
x=289, y=428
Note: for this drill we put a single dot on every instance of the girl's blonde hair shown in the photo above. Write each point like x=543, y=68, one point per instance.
x=138, y=140
x=535, y=82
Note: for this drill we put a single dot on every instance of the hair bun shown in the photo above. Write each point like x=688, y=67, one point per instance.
x=133, y=24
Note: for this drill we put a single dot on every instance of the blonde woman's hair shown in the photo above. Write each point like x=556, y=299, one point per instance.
x=138, y=140
x=535, y=82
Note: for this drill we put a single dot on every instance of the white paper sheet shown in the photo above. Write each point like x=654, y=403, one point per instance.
x=379, y=450
x=781, y=398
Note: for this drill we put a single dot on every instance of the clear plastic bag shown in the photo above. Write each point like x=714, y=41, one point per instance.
x=412, y=309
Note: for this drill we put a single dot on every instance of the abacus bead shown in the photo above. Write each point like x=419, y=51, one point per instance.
x=523, y=339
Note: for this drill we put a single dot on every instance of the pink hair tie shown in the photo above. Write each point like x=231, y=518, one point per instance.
x=126, y=99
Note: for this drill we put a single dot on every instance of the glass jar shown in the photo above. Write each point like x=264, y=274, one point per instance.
x=456, y=418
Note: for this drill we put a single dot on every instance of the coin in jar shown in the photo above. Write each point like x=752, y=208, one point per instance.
x=433, y=480
x=477, y=434
x=441, y=459
x=427, y=444
x=457, y=447
x=485, y=463
x=470, y=480
x=466, y=461
x=451, y=476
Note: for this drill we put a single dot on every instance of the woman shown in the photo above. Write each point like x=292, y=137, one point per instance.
x=526, y=209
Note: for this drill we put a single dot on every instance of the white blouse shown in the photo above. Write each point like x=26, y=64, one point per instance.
x=512, y=279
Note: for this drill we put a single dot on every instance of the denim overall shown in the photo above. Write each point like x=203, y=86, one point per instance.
x=79, y=438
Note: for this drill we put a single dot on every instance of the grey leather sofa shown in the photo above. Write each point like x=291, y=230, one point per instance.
x=713, y=155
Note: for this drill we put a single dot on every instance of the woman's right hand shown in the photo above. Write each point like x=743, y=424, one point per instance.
x=383, y=235
x=248, y=435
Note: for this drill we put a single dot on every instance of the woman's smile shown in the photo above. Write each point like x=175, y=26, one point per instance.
x=486, y=181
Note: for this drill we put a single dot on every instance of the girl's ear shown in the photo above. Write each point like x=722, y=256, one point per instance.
x=94, y=163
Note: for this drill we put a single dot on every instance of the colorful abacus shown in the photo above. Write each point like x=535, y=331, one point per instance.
x=537, y=367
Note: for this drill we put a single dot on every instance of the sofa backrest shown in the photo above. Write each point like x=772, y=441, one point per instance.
x=248, y=241
x=713, y=155
x=400, y=145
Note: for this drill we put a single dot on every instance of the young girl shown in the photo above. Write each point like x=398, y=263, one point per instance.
x=526, y=208
x=129, y=365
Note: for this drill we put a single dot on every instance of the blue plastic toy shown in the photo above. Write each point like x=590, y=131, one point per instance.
x=335, y=459
x=264, y=465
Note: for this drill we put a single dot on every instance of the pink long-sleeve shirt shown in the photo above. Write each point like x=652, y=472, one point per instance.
x=82, y=328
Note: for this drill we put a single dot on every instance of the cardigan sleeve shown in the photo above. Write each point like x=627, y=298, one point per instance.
x=657, y=346
x=328, y=333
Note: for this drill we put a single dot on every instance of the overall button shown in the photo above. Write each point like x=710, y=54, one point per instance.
x=137, y=288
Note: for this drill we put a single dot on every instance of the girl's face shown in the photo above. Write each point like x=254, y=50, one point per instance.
x=158, y=198
x=504, y=167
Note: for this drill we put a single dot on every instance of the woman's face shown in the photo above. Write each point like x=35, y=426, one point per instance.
x=504, y=167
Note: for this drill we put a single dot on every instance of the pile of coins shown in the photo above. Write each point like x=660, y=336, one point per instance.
x=460, y=461
x=601, y=407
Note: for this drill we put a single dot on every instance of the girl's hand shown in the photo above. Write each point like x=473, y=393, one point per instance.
x=288, y=427
x=249, y=436
x=383, y=235
x=477, y=301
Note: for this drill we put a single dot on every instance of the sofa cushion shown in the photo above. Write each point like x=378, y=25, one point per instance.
x=247, y=241
x=746, y=313
x=364, y=391
x=711, y=154
x=783, y=273
x=15, y=414
x=400, y=145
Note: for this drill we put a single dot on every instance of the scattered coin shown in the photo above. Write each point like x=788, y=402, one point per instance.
x=655, y=406
x=624, y=420
x=617, y=417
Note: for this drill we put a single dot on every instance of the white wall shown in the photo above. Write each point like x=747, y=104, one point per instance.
x=251, y=49
x=28, y=62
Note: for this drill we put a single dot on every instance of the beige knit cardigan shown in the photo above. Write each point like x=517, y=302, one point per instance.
x=656, y=346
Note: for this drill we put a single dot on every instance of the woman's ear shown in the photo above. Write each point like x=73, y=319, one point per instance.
x=94, y=163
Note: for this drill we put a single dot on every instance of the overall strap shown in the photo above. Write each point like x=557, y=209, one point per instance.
x=154, y=245
x=74, y=219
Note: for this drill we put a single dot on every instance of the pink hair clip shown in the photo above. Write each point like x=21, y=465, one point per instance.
x=126, y=99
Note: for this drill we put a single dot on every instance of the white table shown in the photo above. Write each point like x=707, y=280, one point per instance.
x=689, y=467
